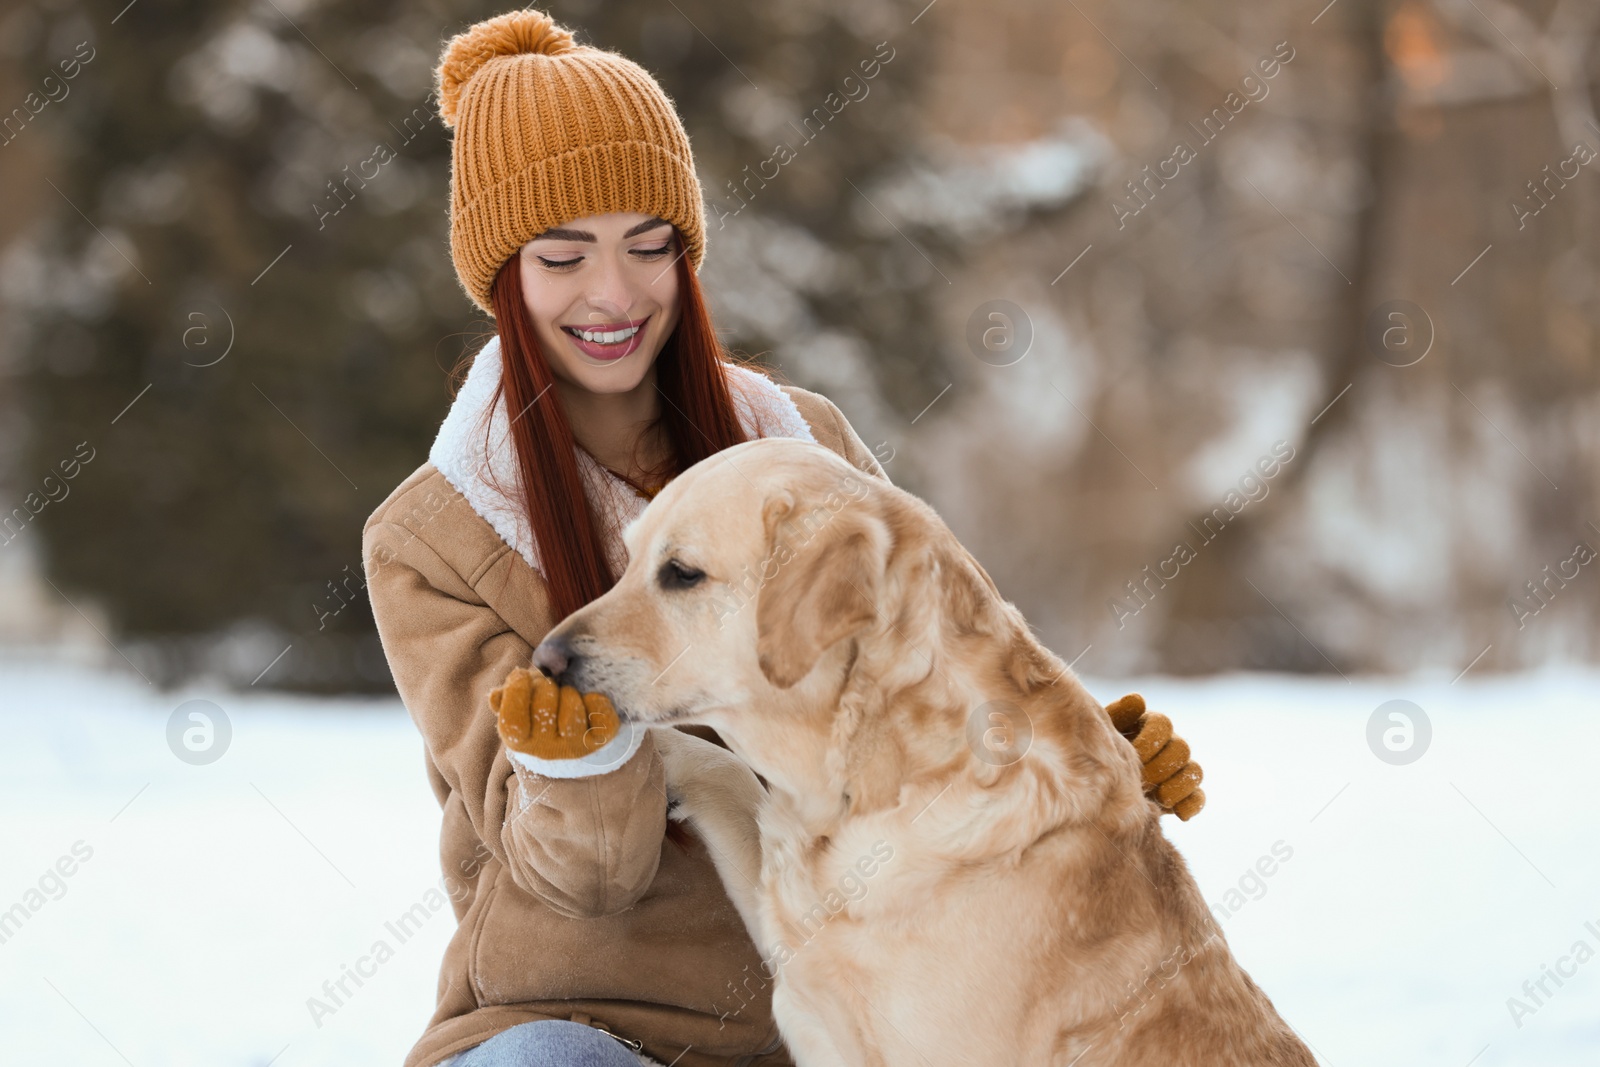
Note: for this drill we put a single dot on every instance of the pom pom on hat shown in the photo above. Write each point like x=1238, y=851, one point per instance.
x=513, y=33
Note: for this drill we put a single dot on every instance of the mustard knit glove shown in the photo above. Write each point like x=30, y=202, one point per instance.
x=1170, y=776
x=556, y=731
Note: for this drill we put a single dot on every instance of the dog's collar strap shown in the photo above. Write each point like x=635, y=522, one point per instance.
x=476, y=468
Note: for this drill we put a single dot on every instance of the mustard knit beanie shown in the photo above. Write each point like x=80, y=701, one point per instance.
x=547, y=131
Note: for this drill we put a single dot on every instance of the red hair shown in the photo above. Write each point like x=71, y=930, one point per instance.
x=697, y=417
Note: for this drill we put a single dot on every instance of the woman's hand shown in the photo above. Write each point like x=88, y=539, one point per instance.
x=540, y=719
x=1169, y=774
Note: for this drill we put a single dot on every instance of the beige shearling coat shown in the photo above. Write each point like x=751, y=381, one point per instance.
x=570, y=902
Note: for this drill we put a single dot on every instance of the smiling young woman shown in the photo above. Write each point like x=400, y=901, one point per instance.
x=587, y=932
x=606, y=345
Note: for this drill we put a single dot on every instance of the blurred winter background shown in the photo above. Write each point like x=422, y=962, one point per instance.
x=1252, y=347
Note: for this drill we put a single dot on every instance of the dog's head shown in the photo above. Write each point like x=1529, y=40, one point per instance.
x=745, y=573
x=827, y=624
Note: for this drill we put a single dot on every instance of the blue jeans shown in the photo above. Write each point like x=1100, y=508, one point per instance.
x=547, y=1043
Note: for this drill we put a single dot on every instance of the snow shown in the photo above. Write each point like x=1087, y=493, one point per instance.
x=1419, y=898
x=219, y=898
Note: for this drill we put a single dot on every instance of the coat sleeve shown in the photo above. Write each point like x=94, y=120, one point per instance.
x=587, y=847
x=852, y=448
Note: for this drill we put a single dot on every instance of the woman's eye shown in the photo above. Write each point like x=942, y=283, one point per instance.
x=559, y=264
x=653, y=253
x=676, y=575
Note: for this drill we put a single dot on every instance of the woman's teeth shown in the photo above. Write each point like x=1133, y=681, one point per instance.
x=604, y=337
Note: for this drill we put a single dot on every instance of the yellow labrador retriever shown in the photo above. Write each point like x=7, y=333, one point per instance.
x=952, y=861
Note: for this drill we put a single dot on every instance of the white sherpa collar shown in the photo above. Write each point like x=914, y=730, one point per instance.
x=460, y=454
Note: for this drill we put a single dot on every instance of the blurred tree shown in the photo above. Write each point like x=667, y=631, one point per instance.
x=1190, y=309
x=248, y=312
x=242, y=300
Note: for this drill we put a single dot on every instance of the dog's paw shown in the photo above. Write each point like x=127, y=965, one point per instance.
x=678, y=758
x=701, y=776
x=677, y=810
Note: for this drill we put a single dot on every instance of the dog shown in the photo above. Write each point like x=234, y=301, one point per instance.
x=936, y=838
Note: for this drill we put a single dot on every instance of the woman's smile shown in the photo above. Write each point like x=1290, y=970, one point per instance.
x=608, y=341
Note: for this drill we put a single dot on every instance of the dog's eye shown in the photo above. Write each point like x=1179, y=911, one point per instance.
x=676, y=575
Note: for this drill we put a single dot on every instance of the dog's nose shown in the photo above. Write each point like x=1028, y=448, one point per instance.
x=553, y=656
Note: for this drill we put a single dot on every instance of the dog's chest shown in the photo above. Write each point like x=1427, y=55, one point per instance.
x=866, y=930
x=812, y=884
x=890, y=980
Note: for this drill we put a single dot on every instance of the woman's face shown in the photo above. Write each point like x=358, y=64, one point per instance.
x=602, y=293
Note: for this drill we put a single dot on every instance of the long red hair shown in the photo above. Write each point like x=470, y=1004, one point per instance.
x=697, y=417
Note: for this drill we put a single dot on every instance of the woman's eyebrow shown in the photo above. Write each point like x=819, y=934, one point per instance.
x=647, y=224
x=557, y=233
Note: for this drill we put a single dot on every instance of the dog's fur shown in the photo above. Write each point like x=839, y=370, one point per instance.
x=921, y=897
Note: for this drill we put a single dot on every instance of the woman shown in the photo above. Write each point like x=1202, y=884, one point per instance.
x=587, y=933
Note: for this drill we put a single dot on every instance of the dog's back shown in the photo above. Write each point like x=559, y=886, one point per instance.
x=1188, y=1001
x=1033, y=914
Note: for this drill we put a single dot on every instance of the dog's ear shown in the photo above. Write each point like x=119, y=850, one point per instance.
x=966, y=591
x=827, y=570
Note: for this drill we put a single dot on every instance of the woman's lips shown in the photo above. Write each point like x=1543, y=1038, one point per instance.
x=609, y=352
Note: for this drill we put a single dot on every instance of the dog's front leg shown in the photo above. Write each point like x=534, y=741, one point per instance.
x=718, y=795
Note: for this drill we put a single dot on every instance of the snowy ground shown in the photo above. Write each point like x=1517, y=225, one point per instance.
x=216, y=899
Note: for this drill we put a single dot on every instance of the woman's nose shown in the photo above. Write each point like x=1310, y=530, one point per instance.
x=609, y=295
